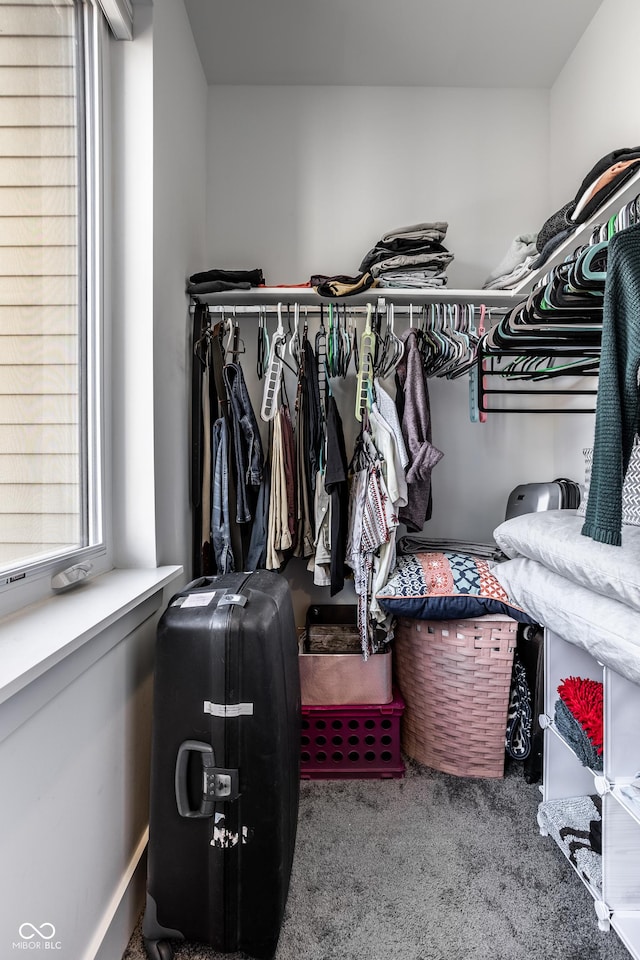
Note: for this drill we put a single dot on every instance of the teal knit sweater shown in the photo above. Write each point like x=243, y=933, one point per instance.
x=617, y=404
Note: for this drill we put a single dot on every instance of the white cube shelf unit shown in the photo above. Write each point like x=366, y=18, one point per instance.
x=613, y=878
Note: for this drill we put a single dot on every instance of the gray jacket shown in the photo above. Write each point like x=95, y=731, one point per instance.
x=416, y=430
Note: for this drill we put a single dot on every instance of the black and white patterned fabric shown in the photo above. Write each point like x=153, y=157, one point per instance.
x=519, y=716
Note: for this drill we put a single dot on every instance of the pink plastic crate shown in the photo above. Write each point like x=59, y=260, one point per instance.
x=352, y=741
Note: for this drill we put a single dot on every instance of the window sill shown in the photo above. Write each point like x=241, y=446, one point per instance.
x=47, y=645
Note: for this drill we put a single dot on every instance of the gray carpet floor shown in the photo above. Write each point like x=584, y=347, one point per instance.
x=429, y=867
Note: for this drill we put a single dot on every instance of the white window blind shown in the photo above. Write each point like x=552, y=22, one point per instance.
x=43, y=496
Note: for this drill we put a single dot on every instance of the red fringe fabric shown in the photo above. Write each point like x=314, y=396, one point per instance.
x=584, y=699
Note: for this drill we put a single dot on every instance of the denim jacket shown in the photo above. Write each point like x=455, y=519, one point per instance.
x=247, y=445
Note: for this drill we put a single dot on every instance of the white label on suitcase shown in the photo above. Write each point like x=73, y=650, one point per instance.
x=228, y=709
x=198, y=599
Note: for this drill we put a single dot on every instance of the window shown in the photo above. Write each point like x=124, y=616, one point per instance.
x=50, y=471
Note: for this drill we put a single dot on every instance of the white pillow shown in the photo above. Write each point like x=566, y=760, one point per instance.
x=604, y=628
x=553, y=538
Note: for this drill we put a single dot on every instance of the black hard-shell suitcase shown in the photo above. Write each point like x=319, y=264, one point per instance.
x=225, y=766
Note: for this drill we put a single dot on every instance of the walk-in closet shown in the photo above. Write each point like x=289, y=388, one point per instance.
x=328, y=160
x=303, y=202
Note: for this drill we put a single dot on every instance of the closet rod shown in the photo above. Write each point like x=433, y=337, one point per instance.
x=249, y=310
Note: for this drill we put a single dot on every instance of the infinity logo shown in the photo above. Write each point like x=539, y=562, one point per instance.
x=39, y=931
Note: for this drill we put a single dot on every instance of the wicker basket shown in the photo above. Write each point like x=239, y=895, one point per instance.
x=455, y=677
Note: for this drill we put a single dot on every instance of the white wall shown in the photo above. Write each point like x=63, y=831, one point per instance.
x=131, y=289
x=179, y=188
x=159, y=109
x=304, y=180
x=593, y=106
x=75, y=802
x=593, y=110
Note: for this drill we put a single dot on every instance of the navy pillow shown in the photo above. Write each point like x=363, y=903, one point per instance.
x=445, y=586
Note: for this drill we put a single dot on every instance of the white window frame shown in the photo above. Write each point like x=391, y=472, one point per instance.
x=32, y=582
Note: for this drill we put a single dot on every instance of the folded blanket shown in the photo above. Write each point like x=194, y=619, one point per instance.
x=342, y=285
x=216, y=286
x=522, y=246
x=419, y=544
x=383, y=251
x=425, y=260
x=254, y=278
x=569, y=821
x=417, y=280
x=584, y=698
x=511, y=279
x=570, y=729
x=417, y=231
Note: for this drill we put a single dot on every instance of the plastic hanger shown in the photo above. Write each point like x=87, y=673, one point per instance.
x=587, y=258
x=321, y=360
x=393, y=347
x=294, y=341
x=365, y=366
x=353, y=337
x=273, y=379
x=346, y=343
x=262, y=351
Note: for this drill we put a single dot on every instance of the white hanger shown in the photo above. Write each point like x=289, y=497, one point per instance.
x=364, y=387
x=273, y=379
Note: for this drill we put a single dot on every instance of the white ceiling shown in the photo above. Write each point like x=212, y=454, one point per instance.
x=460, y=43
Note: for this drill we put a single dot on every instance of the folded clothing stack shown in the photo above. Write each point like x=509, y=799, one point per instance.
x=410, y=256
x=578, y=717
x=419, y=544
x=600, y=183
x=216, y=281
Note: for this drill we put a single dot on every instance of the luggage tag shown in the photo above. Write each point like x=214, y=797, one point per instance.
x=195, y=600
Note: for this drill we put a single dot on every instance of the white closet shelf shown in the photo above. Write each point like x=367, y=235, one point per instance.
x=399, y=296
x=306, y=296
x=627, y=192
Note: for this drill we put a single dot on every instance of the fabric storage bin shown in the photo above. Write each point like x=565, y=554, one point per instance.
x=332, y=670
x=455, y=677
x=352, y=742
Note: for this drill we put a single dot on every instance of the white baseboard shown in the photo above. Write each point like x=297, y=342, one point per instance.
x=123, y=911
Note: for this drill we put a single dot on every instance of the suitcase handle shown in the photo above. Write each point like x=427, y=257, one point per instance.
x=218, y=783
x=206, y=808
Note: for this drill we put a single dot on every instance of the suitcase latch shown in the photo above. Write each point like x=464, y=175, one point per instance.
x=220, y=783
